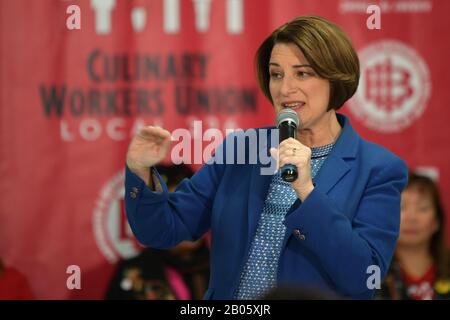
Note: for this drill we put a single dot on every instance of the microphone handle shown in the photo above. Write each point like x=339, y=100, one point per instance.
x=287, y=130
x=289, y=171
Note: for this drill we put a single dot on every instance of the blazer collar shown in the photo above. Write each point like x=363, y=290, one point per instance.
x=338, y=161
x=347, y=144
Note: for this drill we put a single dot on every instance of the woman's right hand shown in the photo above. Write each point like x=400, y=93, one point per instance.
x=147, y=148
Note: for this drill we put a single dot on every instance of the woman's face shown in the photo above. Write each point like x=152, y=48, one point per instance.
x=294, y=84
x=418, y=218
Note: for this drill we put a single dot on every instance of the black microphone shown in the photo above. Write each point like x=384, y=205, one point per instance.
x=287, y=123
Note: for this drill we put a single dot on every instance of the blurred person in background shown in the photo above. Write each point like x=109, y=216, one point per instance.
x=420, y=269
x=181, y=273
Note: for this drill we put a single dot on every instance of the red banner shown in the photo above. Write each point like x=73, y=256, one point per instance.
x=72, y=98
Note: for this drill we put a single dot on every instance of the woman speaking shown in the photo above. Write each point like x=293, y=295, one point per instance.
x=328, y=229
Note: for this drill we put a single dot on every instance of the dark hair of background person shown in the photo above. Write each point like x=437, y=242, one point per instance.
x=174, y=174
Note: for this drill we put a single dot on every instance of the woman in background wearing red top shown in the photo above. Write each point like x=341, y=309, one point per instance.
x=420, y=269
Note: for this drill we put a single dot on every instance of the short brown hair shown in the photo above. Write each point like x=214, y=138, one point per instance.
x=326, y=47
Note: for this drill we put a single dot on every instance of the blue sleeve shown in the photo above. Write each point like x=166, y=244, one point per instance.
x=347, y=248
x=163, y=219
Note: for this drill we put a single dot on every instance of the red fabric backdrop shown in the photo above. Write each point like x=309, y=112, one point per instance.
x=71, y=99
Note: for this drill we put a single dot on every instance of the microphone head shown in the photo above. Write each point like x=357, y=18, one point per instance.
x=288, y=115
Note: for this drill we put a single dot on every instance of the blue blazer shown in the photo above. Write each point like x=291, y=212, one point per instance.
x=348, y=223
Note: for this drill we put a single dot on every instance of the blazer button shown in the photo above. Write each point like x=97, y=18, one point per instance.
x=133, y=195
x=135, y=190
x=298, y=234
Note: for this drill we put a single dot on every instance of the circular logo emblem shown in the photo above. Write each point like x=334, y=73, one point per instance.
x=394, y=86
x=111, y=229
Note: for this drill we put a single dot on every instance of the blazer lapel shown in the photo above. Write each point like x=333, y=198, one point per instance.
x=333, y=169
x=259, y=187
x=259, y=184
x=257, y=193
x=337, y=163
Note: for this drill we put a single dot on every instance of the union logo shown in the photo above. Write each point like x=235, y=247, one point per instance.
x=394, y=86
